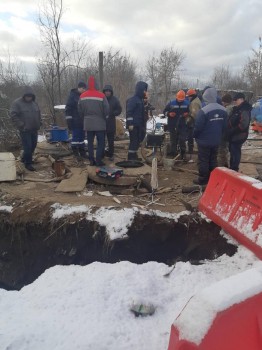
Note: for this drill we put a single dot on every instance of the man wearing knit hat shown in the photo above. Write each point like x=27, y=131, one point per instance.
x=75, y=122
x=194, y=106
x=177, y=112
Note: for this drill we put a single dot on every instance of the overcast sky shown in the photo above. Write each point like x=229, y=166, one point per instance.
x=210, y=33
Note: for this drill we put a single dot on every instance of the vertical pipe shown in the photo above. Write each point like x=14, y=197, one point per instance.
x=101, y=69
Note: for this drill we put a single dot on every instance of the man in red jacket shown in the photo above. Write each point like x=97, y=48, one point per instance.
x=94, y=109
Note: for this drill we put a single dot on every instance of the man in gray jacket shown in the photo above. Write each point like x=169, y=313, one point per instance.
x=26, y=116
x=94, y=109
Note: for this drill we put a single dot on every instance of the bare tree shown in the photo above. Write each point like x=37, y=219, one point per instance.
x=253, y=69
x=12, y=76
x=12, y=80
x=120, y=72
x=47, y=79
x=50, y=15
x=223, y=79
x=164, y=71
x=62, y=63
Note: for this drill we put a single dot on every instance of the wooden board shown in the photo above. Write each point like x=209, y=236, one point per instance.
x=76, y=183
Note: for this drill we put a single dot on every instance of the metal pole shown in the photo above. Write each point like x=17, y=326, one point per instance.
x=101, y=69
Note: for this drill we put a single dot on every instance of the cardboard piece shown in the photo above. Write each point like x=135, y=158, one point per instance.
x=76, y=183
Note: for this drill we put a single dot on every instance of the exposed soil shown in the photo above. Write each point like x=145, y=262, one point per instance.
x=31, y=241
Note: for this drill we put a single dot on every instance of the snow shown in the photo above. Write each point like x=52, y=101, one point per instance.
x=65, y=210
x=249, y=179
x=115, y=221
x=214, y=299
x=6, y=208
x=257, y=185
x=41, y=138
x=62, y=107
x=88, y=307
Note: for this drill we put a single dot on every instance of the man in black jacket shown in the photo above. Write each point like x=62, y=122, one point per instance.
x=26, y=116
x=75, y=122
x=238, y=128
x=114, y=110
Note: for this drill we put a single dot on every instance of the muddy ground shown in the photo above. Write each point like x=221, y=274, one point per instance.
x=170, y=182
x=31, y=241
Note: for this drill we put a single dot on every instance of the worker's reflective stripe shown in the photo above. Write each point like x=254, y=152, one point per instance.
x=77, y=143
x=92, y=98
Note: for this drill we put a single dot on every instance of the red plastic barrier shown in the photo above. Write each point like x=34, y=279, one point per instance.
x=237, y=328
x=234, y=202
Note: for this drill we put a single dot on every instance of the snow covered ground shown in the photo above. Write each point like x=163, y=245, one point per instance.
x=88, y=308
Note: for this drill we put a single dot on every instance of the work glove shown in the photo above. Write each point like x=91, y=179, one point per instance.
x=172, y=114
x=189, y=121
x=131, y=128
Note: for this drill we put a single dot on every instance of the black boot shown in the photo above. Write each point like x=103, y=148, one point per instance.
x=75, y=151
x=83, y=154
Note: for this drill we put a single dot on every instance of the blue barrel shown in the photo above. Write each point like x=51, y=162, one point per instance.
x=58, y=134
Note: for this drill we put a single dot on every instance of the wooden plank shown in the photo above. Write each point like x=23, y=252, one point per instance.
x=76, y=183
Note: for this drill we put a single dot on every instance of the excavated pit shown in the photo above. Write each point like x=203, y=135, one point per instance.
x=31, y=241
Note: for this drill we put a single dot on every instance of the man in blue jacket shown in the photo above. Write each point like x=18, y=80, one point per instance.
x=177, y=112
x=75, y=122
x=210, y=124
x=135, y=115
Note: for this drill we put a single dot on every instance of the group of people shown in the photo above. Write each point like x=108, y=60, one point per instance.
x=92, y=112
x=88, y=112
x=218, y=126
